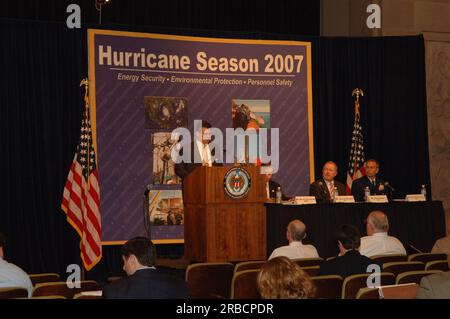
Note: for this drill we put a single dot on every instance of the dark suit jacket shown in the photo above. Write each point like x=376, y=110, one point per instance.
x=350, y=264
x=359, y=184
x=147, y=284
x=273, y=190
x=320, y=190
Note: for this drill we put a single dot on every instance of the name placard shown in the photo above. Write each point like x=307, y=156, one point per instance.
x=345, y=199
x=377, y=199
x=415, y=198
x=305, y=200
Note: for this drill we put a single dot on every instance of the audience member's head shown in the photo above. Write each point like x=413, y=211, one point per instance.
x=2, y=245
x=348, y=238
x=137, y=253
x=296, y=231
x=329, y=171
x=281, y=278
x=377, y=222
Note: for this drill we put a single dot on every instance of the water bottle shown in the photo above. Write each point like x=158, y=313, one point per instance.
x=423, y=191
x=278, y=198
x=366, y=193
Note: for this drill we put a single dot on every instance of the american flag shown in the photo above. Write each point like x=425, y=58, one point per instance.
x=356, y=161
x=81, y=198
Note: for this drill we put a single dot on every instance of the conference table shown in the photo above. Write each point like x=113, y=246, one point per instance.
x=417, y=224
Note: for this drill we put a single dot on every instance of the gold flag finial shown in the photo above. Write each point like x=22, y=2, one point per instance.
x=85, y=82
x=358, y=92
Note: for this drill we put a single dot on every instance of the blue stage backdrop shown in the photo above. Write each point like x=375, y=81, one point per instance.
x=145, y=84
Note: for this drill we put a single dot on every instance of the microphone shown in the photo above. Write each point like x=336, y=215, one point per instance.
x=389, y=186
x=147, y=189
x=321, y=186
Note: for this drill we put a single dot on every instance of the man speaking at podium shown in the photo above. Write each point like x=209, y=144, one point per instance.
x=199, y=150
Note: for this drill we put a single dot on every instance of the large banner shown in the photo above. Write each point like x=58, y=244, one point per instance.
x=145, y=85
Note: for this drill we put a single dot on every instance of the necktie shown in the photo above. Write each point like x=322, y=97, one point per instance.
x=331, y=189
x=205, y=156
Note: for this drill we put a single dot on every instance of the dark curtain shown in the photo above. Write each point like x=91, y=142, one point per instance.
x=391, y=71
x=41, y=105
x=286, y=16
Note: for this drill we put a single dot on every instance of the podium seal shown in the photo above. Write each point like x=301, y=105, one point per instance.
x=237, y=182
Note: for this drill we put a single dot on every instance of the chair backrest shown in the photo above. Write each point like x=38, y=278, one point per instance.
x=209, y=280
x=312, y=270
x=49, y=297
x=413, y=276
x=328, y=287
x=306, y=262
x=437, y=265
x=382, y=259
x=405, y=291
x=243, y=285
x=426, y=257
x=82, y=296
x=47, y=277
x=368, y=293
x=403, y=266
x=248, y=265
x=61, y=289
x=13, y=292
x=353, y=283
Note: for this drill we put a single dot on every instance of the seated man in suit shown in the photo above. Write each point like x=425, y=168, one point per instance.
x=143, y=280
x=377, y=241
x=371, y=180
x=443, y=245
x=324, y=188
x=350, y=261
x=10, y=274
x=295, y=233
x=436, y=286
x=271, y=186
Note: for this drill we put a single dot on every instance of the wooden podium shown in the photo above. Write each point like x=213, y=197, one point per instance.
x=218, y=228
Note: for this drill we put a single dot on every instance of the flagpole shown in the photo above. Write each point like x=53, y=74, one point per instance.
x=85, y=82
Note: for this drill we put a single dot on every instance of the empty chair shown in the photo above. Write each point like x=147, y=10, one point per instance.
x=49, y=297
x=13, y=292
x=209, y=280
x=404, y=291
x=437, y=265
x=403, y=266
x=47, y=277
x=382, y=259
x=306, y=262
x=243, y=285
x=368, y=293
x=328, y=287
x=426, y=257
x=413, y=276
x=248, y=265
x=61, y=288
x=83, y=296
x=312, y=270
x=353, y=283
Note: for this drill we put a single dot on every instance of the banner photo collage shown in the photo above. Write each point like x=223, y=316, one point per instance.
x=143, y=86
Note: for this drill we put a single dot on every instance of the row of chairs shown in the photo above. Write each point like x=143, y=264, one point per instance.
x=225, y=280
x=48, y=290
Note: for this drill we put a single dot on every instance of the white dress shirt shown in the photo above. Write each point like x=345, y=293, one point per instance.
x=381, y=244
x=204, y=150
x=13, y=276
x=295, y=250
